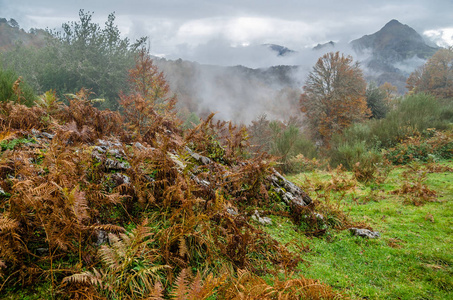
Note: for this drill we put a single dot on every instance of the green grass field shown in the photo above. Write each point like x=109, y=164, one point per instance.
x=413, y=258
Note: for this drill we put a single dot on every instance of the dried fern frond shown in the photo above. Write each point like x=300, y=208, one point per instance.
x=183, y=251
x=7, y=135
x=157, y=293
x=107, y=227
x=87, y=277
x=7, y=224
x=180, y=287
x=103, y=198
x=77, y=203
x=197, y=288
x=23, y=117
x=250, y=286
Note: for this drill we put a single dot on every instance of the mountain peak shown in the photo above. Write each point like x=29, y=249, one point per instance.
x=394, y=42
x=393, y=22
x=330, y=44
x=281, y=50
x=395, y=29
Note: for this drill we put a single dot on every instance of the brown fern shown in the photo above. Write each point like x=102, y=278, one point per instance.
x=196, y=288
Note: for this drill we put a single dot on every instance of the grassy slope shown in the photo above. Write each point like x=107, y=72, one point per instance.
x=413, y=259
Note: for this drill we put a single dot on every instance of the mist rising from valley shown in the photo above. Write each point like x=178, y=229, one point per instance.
x=242, y=82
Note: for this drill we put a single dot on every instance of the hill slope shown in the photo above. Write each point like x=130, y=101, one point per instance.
x=396, y=50
x=10, y=34
x=393, y=43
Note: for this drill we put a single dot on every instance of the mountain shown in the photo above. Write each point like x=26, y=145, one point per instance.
x=395, y=50
x=281, y=50
x=330, y=44
x=394, y=42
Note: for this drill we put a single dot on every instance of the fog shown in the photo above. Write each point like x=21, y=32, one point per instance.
x=259, y=82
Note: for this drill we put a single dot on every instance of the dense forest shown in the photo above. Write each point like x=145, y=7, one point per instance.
x=111, y=189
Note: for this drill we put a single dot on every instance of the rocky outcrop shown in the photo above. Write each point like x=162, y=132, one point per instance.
x=288, y=191
x=111, y=156
x=364, y=233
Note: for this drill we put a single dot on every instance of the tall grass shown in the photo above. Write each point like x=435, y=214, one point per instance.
x=12, y=88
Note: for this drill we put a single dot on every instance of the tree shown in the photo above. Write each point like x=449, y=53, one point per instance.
x=391, y=93
x=375, y=99
x=334, y=96
x=82, y=55
x=435, y=77
x=149, y=107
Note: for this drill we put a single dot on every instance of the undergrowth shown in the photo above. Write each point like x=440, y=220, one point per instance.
x=102, y=205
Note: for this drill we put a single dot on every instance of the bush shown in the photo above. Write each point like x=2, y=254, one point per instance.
x=439, y=146
x=300, y=163
x=372, y=167
x=416, y=115
x=285, y=141
x=348, y=154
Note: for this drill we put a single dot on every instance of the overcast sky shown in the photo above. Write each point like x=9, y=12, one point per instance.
x=202, y=29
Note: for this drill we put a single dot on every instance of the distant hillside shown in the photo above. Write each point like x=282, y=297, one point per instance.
x=236, y=93
x=395, y=50
x=394, y=42
x=11, y=33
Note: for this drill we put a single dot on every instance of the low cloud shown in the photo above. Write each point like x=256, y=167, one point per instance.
x=443, y=37
x=407, y=66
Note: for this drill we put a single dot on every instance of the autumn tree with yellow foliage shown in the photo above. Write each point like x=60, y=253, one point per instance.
x=334, y=96
x=435, y=77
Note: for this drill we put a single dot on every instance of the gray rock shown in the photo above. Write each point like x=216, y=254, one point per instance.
x=288, y=191
x=42, y=251
x=139, y=146
x=40, y=134
x=108, y=144
x=262, y=220
x=99, y=149
x=232, y=211
x=319, y=216
x=199, y=181
x=96, y=155
x=200, y=158
x=364, y=233
x=118, y=153
x=111, y=164
x=119, y=179
x=48, y=135
x=101, y=237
